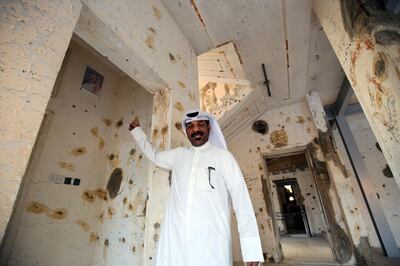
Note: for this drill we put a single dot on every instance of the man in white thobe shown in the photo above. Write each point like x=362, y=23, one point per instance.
x=205, y=178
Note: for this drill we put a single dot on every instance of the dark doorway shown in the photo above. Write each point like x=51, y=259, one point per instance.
x=292, y=210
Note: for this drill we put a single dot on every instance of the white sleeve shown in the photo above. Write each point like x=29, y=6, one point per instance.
x=163, y=159
x=247, y=224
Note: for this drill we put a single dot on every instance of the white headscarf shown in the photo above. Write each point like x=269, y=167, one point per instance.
x=216, y=138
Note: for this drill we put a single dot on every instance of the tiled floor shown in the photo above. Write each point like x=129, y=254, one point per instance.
x=300, y=249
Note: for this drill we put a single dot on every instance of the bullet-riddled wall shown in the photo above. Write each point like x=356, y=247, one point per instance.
x=35, y=37
x=85, y=137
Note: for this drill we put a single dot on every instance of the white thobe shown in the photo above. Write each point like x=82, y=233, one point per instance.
x=196, y=228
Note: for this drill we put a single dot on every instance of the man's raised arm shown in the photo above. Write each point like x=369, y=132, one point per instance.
x=163, y=159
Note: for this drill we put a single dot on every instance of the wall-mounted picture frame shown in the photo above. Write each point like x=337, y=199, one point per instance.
x=92, y=81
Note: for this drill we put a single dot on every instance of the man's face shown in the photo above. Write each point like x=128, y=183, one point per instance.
x=197, y=132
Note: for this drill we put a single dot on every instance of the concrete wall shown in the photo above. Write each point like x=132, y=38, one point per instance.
x=84, y=139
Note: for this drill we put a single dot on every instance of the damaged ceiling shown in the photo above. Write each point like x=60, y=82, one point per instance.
x=284, y=35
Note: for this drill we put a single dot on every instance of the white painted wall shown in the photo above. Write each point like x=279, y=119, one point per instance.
x=47, y=241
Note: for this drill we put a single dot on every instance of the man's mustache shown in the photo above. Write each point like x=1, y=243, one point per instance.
x=196, y=134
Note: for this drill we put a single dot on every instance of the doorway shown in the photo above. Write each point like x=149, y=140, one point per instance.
x=298, y=210
x=292, y=212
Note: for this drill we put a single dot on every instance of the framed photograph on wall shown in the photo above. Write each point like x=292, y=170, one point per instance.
x=92, y=81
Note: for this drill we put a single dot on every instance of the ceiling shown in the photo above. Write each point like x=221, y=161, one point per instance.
x=284, y=35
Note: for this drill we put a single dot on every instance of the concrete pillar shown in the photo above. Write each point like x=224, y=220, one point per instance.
x=34, y=38
x=367, y=44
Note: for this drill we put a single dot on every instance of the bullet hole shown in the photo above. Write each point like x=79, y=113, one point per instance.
x=150, y=41
x=260, y=126
x=150, y=258
x=179, y=106
x=106, y=242
x=313, y=197
x=125, y=200
x=36, y=207
x=378, y=147
x=377, y=194
x=130, y=182
x=114, y=183
x=287, y=119
x=133, y=249
x=123, y=240
x=95, y=131
x=101, y=143
x=73, y=106
x=181, y=84
x=178, y=126
x=260, y=209
x=387, y=171
x=73, y=133
x=156, y=237
x=93, y=237
x=85, y=110
x=100, y=193
x=300, y=120
x=157, y=13
x=84, y=225
x=132, y=152
x=79, y=151
x=172, y=58
x=111, y=156
x=119, y=123
x=130, y=207
x=101, y=216
x=126, y=60
x=107, y=122
x=111, y=212
x=59, y=214
x=383, y=185
x=317, y=57
x=152, y=30
x=156, y=225
x=164, y=130
x=88, y=196
x=67, y=166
